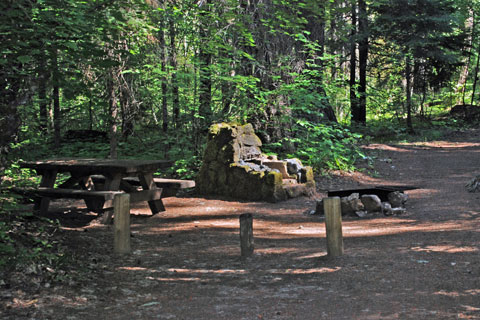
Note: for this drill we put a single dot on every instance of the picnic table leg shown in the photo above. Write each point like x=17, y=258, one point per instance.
x=48, y=181
x=112, y=183
x=94, y=205
x=147, y=183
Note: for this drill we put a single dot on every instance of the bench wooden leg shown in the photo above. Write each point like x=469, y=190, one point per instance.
x=48, y=180
x=112, y=183
x=147, y=183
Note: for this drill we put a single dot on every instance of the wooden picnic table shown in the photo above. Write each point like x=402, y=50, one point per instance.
x=80, y=184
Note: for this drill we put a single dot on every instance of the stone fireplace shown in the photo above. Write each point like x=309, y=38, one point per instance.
x=234, y=166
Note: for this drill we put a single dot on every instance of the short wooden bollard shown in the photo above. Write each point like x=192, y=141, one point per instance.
x=246, y=234
x=333, y=224
x=121, y=211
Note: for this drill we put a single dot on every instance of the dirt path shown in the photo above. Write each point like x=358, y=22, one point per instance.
x=186, y=265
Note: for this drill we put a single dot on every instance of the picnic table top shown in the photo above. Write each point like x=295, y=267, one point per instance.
x=93, y=166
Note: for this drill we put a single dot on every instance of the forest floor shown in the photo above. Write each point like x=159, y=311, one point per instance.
x=186, y=261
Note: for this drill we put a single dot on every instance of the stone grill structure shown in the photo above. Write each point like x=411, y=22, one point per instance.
x=234, y=166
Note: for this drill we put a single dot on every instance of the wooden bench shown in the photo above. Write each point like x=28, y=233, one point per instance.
x=58, y=193
x=170, y=186
x=116, y=199
x=95, y=200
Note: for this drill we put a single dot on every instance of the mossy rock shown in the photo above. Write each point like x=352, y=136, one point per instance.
x=244, y=129
x=250, y=140
x=267, y=191
x=215, y=165
x=279, y=194
x=307, y=174
x=211, y=151
x=229, y=153
x=274, y=178
x=222, y=133
x=216, y=128
x=255, y=181
x=201, y=180
x=222, y=177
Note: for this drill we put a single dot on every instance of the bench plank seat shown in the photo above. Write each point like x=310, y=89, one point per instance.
x=166, y=183
x=169, y=186
x=58, y=193
x=73, y=193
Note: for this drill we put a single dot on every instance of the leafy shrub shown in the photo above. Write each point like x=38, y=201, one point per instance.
x=27, y=240
x=321, y=146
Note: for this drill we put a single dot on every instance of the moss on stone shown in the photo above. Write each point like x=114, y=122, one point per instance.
x=279, y=194
x=229, y=153
x=222, y=177
x=307, y=174
x=274, y=178
x=211, y=152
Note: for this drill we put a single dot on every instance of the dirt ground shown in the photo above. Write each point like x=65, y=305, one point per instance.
x=186, y=261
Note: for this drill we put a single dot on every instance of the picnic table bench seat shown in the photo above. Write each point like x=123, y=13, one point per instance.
x=95, y=200
x=60, y=193
x=170, y=186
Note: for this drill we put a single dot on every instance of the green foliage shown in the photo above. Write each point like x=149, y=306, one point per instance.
x=320, y=146
x=438, y=126
x=28, y=243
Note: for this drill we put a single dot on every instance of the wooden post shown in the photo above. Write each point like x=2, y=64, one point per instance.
x=121, y=211
x=246, y=234
x=333, y=224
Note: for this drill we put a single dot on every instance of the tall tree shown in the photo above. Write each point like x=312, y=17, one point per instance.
x=354, y=103
x=362, y=58
x=205, y=60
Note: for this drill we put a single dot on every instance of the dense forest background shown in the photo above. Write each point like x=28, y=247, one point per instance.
x=311, y=76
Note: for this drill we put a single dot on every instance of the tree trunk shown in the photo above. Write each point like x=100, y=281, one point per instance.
x=90, y=110
x=173, y=64
x=408, y=89
x=42, y=96
x=462, y=81
x=362, y=58
x=205, y=86
x=354, y=107
x=475, y=77
x=56, y=101
x=113, y=110
x=163, y=61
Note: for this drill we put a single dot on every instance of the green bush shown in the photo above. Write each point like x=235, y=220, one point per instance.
x=322, y=146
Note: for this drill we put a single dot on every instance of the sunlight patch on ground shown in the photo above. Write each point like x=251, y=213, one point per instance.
x=313, y=255
x=445, y=248
x=303, y=271
x=133, y=268
x=310, y=231
x=455, y=294
x=226, y=223
x=406, y=226
x=183, y=279
x=275, y=250
x=203, y=271
x=444, y=144
x=422, y=193
x=378, y=146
